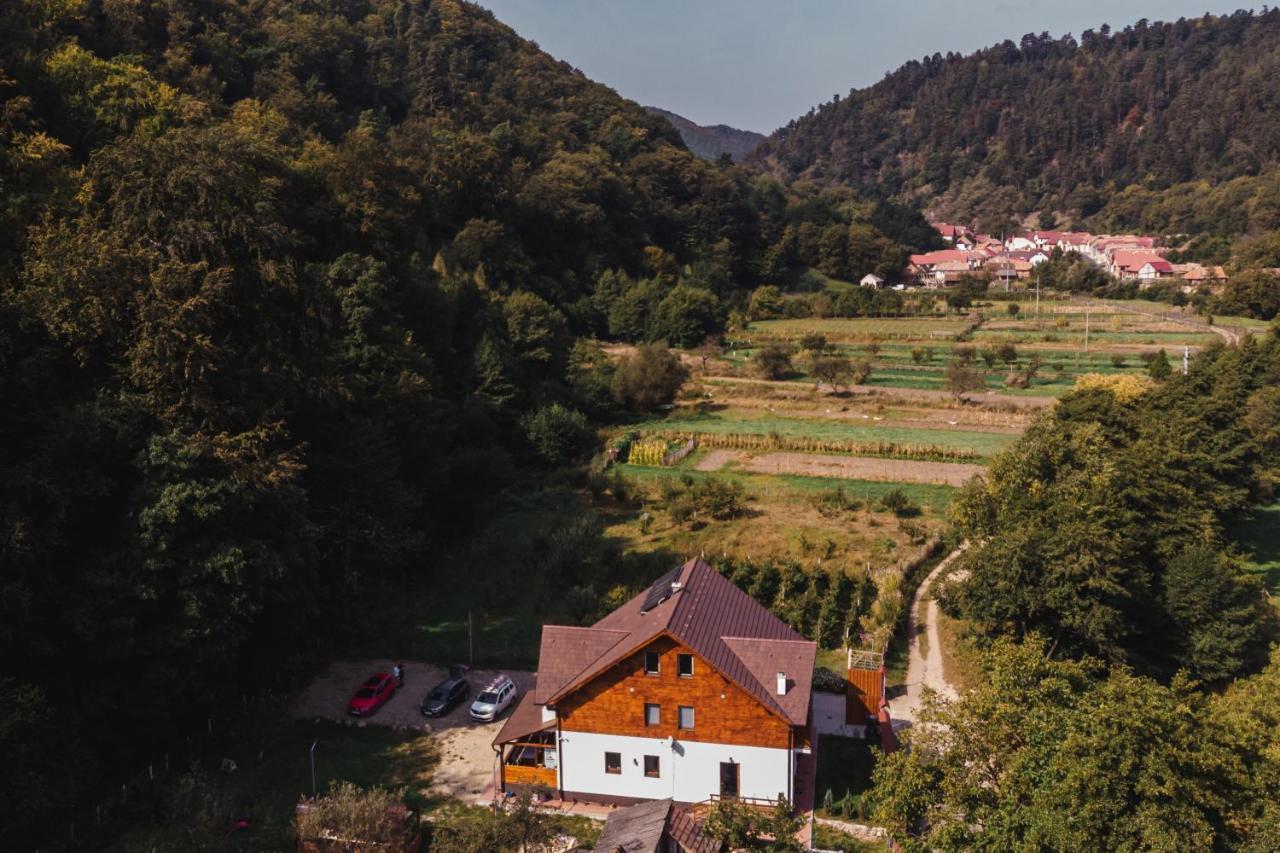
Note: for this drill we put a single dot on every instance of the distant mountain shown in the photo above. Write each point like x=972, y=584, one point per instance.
x=710, y=142
x=1134, y=116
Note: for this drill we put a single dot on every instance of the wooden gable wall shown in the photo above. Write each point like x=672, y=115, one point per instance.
x=613, y=703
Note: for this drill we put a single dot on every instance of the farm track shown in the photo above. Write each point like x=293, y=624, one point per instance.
x=924, y=670
x=844, y=467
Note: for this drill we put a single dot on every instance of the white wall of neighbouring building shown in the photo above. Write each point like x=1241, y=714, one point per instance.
x=690, y=771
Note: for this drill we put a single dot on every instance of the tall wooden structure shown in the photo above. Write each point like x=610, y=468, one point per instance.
x=865, y=691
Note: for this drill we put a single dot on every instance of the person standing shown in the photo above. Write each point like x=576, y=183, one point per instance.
x=398, y=672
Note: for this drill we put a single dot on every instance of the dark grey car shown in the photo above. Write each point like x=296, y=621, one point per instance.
x=445, y=696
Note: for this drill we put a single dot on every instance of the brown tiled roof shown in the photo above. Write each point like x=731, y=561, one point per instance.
x=705, y=614
x=764, y=659
x=567, y=651
x=525, y=719
x=688, y=831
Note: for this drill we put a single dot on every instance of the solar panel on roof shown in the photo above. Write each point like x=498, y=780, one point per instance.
x=660, y=590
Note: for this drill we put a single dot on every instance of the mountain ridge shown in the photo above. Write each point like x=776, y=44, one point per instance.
x=710, y=141
x=1054, y=124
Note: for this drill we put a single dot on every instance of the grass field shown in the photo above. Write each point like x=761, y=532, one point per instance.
x=783, y=521
x=1259, y=537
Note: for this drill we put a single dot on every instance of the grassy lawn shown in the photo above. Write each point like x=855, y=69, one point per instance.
x=267, y=790
x=782, y=522
x=1259, y=538
x=738, y=423
x=844, y=769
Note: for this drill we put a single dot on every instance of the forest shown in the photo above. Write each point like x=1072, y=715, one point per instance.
x=289, y=293
x=1166, y=127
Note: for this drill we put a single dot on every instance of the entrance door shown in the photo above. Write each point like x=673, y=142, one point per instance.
x=729, y=780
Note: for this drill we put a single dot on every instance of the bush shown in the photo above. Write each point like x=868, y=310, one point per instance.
x=558, y=435
x=899, y=504
x=720, y=499
x=648, y=379
x=1117, y=360
x=774, y=361
x=351, y=812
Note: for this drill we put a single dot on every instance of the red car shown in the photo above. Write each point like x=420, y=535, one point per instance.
x=372, y=695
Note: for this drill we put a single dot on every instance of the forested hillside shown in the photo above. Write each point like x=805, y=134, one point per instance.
x=288, y=294
x=1060, y=126
x=712, y=141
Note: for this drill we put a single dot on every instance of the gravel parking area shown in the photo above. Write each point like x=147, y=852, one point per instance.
x=466, y=757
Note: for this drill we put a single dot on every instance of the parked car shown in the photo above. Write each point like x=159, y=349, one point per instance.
x=372, y=695
x=495, y=698
x=445, y=696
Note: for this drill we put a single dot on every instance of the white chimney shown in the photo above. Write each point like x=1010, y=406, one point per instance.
x=676, y=586
x=782, y=684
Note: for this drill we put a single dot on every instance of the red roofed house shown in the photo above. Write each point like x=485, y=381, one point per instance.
x=1126, y=264
x=689, y=691
x=1154, y=269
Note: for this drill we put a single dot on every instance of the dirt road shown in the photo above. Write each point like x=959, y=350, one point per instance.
x=843, y=467
x=924, y=669
x=466, y=757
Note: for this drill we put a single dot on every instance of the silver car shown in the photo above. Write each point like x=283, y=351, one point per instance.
x=495, y=698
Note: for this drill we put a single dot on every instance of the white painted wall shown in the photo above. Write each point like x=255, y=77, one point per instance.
x=690, y=771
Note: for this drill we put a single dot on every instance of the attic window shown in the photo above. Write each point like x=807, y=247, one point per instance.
x=684, y=666
x=651, y=664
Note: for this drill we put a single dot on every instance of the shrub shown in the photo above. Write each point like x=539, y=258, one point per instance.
x=773, y=361
x=1117, y=360
x=558, y=435
x=897, y=502
x=917, y=354
x=720, y=499
x=351, y=812
x=1159, y=368
x=1013, y=308
x=649, y=378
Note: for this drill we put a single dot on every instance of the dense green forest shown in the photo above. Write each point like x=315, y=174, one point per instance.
x=1127, y=700
x=1167, y=127
x=289, y=293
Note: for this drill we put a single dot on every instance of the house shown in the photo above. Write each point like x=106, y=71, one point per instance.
x=690, y=691
x=950, y=233
x=1154, y=269
x=656, y=825
x=933, y=268
x=1021, y=243
x=872, y=280
x=1128, y=264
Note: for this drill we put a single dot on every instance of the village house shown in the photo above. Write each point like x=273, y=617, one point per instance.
x=872, y=280
x=1154, y=269
x=950, y=233
x=691, y=691
x=937, y=268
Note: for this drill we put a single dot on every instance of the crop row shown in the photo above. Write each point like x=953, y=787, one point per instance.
x=808, y=444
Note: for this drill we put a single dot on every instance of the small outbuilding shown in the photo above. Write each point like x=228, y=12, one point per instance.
x=872, y=280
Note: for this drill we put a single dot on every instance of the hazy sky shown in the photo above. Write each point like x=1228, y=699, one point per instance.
x=757, y=64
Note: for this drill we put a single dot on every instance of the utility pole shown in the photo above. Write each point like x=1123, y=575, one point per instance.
x=471, y=640
x=1086, y=329
x=313, y=767
x=1186, y=359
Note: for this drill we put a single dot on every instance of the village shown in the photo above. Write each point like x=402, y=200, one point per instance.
x=1010, y=259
